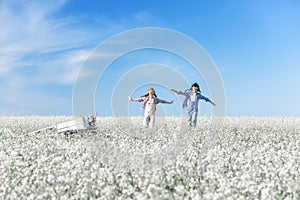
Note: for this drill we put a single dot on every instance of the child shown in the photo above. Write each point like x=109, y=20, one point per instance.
x=192, y=97
x=149, y=104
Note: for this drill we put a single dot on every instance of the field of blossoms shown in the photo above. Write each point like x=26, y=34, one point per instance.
x=250, y=158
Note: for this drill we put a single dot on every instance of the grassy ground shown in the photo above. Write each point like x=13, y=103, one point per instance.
x=247, y=158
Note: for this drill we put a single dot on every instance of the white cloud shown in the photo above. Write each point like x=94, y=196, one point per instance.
x=144, y=16
x=31, y=32
x=32, y=39
x=19, y=98
x=5, y=64
x=39, y=48
x=72, y=62
x=32, y=35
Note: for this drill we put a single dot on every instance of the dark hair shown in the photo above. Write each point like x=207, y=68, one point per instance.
x=145, y=95
x=196, y=85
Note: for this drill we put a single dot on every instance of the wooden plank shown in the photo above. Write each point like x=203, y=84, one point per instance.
x=77, y=124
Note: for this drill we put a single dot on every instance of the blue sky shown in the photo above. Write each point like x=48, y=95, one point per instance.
x=254, y=44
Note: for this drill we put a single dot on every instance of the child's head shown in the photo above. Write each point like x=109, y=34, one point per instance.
x=150, y=91
x=195, y=87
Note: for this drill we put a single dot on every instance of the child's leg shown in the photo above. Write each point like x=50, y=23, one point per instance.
x=146, y=120
x=151, y=120
x=190, y=112
x=195, y=114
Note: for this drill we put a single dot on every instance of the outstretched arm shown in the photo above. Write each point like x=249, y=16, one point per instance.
x=176, y=91
x=179, y=92
x=163, y=101
x=210, y=101
x=133, y=99
x=169, y=102
x=200, y=96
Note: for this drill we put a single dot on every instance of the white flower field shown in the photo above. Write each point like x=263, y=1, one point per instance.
x=250, y=158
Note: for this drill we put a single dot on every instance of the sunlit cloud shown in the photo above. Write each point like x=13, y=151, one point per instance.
x=38, y=48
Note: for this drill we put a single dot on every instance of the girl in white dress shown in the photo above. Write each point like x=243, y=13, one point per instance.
x=150, y=101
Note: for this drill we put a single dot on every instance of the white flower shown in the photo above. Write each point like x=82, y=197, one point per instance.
x=252, y=158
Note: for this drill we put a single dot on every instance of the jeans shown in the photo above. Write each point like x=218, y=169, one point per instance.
x=192, y=113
